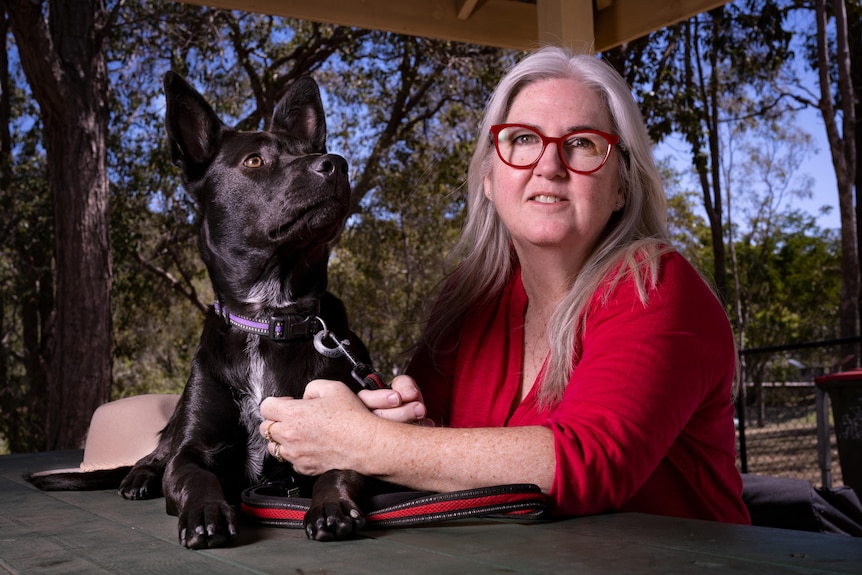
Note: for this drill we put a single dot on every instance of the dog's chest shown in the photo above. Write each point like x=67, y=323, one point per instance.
x=272, y=370
x=255, y=390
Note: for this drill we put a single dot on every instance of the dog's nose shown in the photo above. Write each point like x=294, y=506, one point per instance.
x=330, y=164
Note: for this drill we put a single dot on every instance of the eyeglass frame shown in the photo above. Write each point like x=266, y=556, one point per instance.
x=613, y=140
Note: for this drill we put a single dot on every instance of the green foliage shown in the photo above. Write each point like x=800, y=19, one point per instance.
x=405, y=111
x=714, y=50
x=392, y=256
x=778, y=248
x=789, y=279
x=689, y=231
x=26, y=294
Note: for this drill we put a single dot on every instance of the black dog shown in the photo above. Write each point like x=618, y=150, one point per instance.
x=270, y=203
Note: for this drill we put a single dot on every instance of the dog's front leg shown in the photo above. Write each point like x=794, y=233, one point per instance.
x=207, y=461
x=144, y=481
x=334, y=512
x=194, y=494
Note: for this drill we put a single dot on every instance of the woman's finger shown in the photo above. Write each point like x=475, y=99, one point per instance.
x=271, y=407
x=380, y=398
x=266, y=429
x=407, y=388
x=407, y=413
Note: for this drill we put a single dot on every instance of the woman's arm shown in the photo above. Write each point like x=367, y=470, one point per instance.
x=331, y=428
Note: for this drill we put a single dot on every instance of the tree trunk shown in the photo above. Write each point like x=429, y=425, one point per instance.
x=854, y=29
x=717, y=222
x=843, y=152
x=65, y=66
x=704, y=93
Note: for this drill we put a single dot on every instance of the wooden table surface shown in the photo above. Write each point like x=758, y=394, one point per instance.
x=99, y=532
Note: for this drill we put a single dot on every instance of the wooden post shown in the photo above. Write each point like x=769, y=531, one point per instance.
x=568, y=23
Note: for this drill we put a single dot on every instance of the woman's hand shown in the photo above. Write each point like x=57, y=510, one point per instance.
x=331, y=427
x=402, y=403
x=327, y=429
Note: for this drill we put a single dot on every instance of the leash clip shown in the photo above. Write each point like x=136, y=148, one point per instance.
x=364, y=374
x=337, y=350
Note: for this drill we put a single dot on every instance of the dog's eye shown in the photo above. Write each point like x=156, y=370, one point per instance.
x=254, y=161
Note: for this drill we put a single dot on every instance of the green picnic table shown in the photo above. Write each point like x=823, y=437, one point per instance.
x=99, y=532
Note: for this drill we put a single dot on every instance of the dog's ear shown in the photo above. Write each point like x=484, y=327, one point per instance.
x=194, y=129
x=300, y=114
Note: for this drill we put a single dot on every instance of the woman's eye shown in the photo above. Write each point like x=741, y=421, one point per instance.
x=581, y=143
x=254, y=161
x=525, y=139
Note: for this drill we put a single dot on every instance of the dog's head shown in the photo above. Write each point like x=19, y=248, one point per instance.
x=269, y=202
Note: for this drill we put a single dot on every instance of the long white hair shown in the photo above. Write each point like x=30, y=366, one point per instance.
x=632, y=244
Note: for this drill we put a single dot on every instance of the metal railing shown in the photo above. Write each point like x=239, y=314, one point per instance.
x=784, y=425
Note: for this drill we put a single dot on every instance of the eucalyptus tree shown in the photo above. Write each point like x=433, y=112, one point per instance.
x=785, y=273
x=835, y=54
x=682, y=74
x=397, y=95
x=842, y=144
x=61, y=46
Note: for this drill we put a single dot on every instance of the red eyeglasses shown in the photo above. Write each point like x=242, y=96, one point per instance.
x=582, y=151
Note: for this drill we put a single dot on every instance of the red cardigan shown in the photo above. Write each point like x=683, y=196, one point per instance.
x=646, y=422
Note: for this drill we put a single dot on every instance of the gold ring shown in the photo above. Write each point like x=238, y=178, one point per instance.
x=267, y=435
x=278, y=454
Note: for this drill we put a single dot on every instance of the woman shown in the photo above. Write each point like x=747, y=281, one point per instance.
x=572, y=347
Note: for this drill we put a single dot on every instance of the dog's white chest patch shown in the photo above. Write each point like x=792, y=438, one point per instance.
x=250, y=409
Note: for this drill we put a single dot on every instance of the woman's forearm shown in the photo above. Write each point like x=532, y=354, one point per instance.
x=447, y=459
x=331, y=428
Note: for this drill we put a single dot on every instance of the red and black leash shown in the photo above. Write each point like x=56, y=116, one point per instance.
x=268, y=505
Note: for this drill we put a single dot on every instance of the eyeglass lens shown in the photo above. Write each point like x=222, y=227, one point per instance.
x=581, y=151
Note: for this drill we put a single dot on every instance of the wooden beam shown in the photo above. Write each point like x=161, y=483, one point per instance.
x=465, y=8
x=625, y=20
x=501, y=23
x=566, y=23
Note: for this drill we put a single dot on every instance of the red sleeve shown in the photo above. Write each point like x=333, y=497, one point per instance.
x=646, y=420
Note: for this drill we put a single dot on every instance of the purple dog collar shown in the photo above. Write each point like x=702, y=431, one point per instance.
x=282, y=327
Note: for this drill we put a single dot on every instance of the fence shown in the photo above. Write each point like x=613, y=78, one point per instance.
x=776, y=409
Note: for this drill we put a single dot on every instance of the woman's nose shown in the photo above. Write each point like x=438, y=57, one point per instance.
x=550, y=164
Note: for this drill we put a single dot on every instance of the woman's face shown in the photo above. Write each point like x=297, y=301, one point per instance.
x=547, y=206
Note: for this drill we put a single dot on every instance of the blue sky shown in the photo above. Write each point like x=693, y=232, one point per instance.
x=819, y=167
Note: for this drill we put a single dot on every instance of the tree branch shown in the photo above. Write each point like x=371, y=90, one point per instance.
x=184, y=288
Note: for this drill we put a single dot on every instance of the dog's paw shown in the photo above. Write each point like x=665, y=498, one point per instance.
x=209, y=524
x=141, y=483
x=331, y=521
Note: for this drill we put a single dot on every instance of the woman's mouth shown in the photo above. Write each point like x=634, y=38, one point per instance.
x=543, y=199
